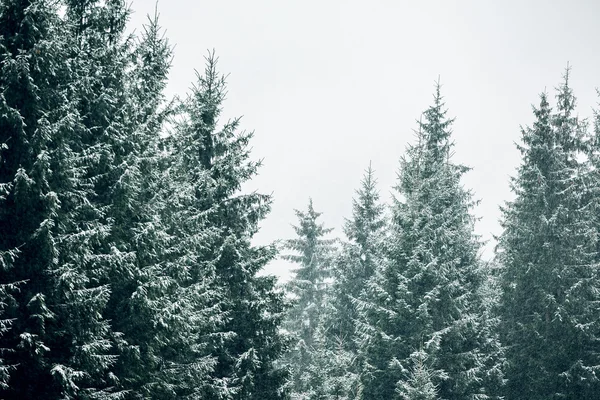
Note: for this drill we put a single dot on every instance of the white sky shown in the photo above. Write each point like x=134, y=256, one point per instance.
x=329, y=85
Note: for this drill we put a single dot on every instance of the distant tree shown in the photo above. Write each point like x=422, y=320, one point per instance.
x=307, y=288
x=549, y=280
x=359, y=257
x=329, y=375
x=354, y=266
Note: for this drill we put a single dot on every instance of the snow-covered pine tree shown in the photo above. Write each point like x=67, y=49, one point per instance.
x=329, y=374
x=419, y=385
x=59, y=342
x=356, y=264
x=216, y=161
x=549, y=281
x=376, y=316
x=428, y=291
x=160, y=302
x=313, y=254
x=359, y=257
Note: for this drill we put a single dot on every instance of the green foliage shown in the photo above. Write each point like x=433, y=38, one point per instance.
x=130, y=272
x=548, y=252
x=359, y=257
x=58, y=300
x=127, y=269
x=213, y=162
x=428, y=291
x=419, y=385
x=356, y=263
x=307, y=289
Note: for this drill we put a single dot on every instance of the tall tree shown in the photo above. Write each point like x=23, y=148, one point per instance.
x=161, y=300
x=59, y=343
x=428, y=292
x=358, y=259
x=549, y=281
x=216, y=161
x=313, y=254
x=365, y=232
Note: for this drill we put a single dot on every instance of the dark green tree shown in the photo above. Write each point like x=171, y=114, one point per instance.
x=216, y=162
x=59, y=343
x=127, y=269
x=161, y=301
x=549, y=278
x=428, y=293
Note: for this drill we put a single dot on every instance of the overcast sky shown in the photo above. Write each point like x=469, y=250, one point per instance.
x=329, y=85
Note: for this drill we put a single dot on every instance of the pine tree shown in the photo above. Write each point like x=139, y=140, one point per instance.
x=549, y=279
x=59, y=343
x=419, y=385
x=130, y=273
x=313, y=254
x=428, y=292
x=161, y=301
x=357, y=262
x=329, y=375
x=376, y=316
x=365, y=233
x=216, y=161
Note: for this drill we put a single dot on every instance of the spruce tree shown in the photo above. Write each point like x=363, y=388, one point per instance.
x=549, y=279
x=428, y=292
x=356, y=264
x=359, y=258
x=130, y=272
x=161, y=301
x=313, y=254
x=59, y=344
x=419, y=385
x=216, y=161
x=330, y=373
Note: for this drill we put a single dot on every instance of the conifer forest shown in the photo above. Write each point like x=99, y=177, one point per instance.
x=129, y=270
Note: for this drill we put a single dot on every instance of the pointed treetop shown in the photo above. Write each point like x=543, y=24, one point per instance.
x=437, y=97
x=210, y=88
x=308, y=227
x=541, y=127
x=565, y=98
x=436, y=127
x=369, y=180
x=367, y=212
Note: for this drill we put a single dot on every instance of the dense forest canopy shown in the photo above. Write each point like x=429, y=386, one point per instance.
x=129, y=267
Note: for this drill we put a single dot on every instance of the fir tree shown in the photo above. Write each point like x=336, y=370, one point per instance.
x=549, y=280
x=313, y=253
x=216, y=162
x=329, y=375
x=359, y=258
x=419, y=385
x=428, y=291
x=59, y=343
x=161, y=300
x=360, y=255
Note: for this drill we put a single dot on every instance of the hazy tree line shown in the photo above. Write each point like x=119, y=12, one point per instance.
x=405, y=308
x=127, y=269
